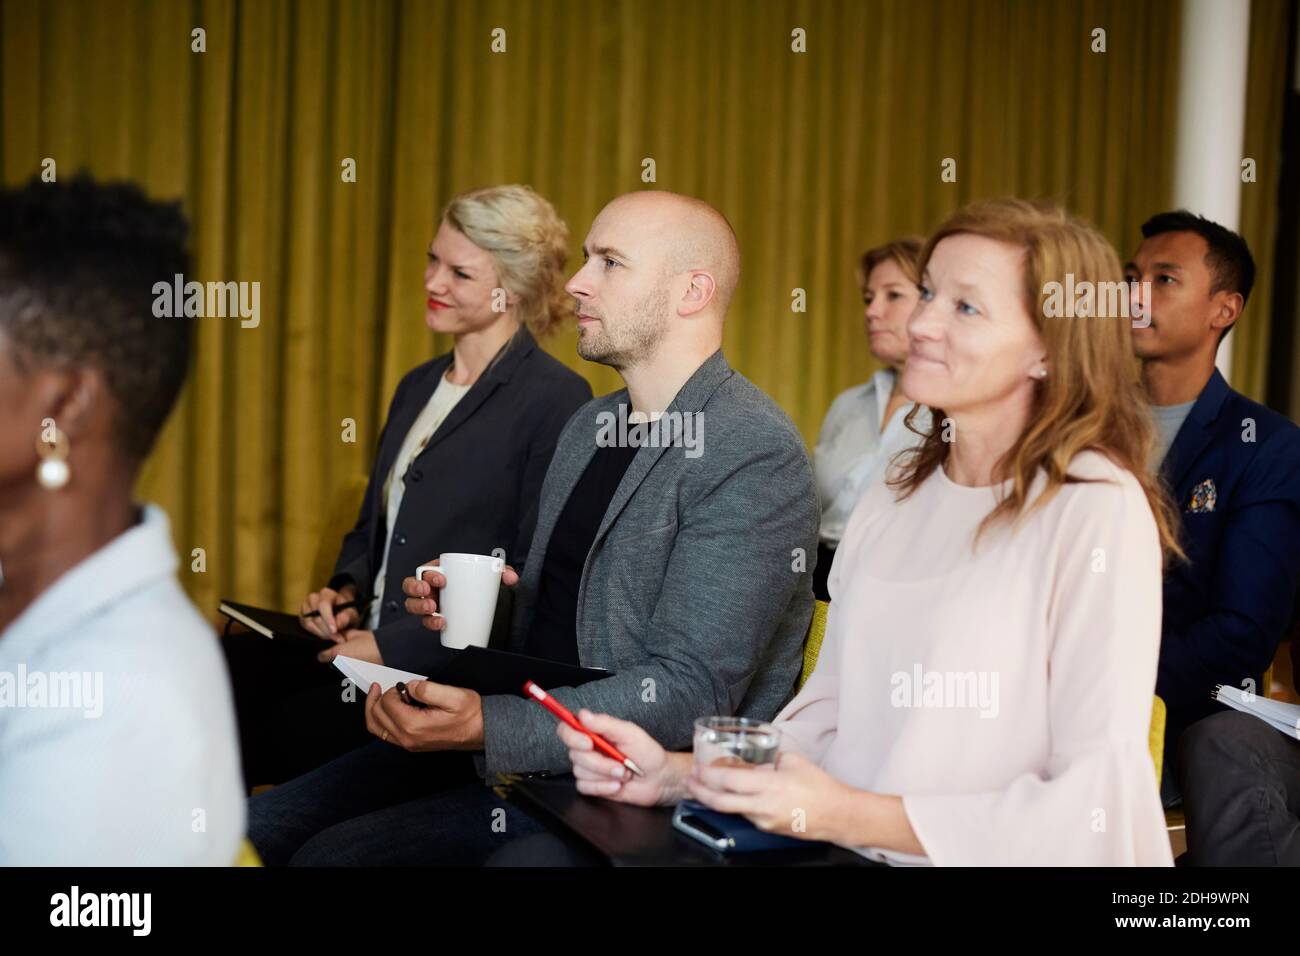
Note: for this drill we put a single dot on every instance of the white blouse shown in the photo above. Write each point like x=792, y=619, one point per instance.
x=1005, y=693
x=444, y=398
x=853, y=450
x=117, y=727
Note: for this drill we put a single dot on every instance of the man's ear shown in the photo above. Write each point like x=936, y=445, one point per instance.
x=698, y=294
x=1228, y=306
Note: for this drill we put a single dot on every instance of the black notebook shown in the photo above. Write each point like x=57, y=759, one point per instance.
x=275, y=625
x=477, y=668
x=501, y=672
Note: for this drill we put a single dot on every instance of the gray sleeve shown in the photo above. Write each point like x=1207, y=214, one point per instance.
x=728, y=582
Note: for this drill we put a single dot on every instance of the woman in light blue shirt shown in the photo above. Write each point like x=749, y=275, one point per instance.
x=864, y=428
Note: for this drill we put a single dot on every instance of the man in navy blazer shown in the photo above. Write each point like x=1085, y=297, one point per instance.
x=1232, y=467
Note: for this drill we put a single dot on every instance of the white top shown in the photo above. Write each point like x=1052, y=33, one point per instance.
x=853, y=451
x=117, y=730
x=435, y=411
x=1005, y=694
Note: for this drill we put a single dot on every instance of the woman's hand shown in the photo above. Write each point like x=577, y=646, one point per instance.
x=328, y=624
x=600, y=776
x=420, y=599
x=796, y=797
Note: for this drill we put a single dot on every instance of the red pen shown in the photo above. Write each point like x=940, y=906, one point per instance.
x=562, y=712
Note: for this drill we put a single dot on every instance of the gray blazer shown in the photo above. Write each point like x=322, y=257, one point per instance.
x=697, y=591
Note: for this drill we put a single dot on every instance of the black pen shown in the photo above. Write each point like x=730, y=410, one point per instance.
x=406, y=697
x=338, y=607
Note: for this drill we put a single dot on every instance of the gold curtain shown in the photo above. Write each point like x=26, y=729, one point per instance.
x=814, y=156
x=1266, y=87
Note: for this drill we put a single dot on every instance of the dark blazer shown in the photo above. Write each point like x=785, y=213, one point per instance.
x=473, y=488
x=1226, y=611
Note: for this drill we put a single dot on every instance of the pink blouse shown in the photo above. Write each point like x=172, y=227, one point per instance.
x=1004, y=692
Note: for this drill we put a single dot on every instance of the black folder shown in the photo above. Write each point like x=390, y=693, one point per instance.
x=501, y=672
x=275, y=625
x=481, y=669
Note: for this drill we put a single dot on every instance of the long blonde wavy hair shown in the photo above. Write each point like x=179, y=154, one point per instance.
x=1092, y=398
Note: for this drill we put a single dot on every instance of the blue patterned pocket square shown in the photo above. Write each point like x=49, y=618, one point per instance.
x=1204, y=497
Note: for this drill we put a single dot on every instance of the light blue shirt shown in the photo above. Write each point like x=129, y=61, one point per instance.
x=117, y=731
x=853, y=451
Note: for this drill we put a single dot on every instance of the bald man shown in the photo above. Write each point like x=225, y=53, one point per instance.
x=675, y=543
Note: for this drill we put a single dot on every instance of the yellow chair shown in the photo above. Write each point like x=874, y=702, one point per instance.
x=812, y=644
x=1173, y=818
x=812, y=647
x=1156, y=736
x=248, y=855
x=340, y=516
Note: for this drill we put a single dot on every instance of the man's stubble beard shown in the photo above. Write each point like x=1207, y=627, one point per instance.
x=636, y=338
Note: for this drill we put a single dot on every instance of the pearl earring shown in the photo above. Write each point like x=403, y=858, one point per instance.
x=53, y=471
x=1041, y=373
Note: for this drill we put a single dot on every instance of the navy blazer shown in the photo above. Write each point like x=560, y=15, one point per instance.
x=1226, y=611
x=474, y=488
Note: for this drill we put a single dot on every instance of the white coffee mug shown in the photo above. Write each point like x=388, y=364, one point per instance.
x=468, y=601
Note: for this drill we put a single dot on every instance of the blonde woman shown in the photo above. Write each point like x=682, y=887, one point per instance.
x=468, y=438
x=866, y=425
x=984, y=692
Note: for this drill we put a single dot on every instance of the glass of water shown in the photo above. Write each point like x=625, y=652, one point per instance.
x=735, y=742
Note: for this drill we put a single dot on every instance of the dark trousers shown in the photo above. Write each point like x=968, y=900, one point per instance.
x=294, y=712
x=1241, y=793
x=382, y=806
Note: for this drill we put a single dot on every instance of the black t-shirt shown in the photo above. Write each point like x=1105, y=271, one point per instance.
x=554, y=631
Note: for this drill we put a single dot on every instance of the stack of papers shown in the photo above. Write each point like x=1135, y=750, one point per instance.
x=364, y=673
x=1279, y=716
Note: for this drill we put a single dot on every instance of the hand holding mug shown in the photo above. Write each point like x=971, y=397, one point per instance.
x=421, y=598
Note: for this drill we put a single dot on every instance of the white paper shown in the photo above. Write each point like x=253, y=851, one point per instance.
x=1277, y=714
x=364, y=673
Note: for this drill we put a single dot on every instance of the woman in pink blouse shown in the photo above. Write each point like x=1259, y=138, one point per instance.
x=984, y=692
